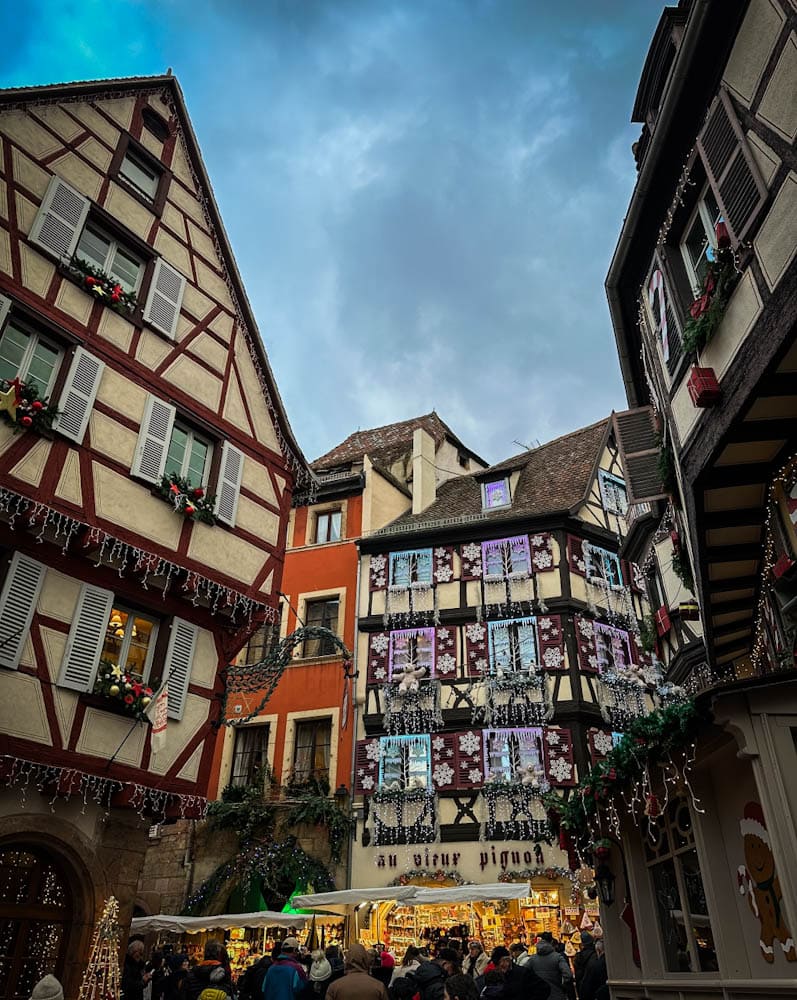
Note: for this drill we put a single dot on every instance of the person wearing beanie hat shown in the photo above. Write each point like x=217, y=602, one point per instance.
x=320, y=973
x=584, y=958
x=47, y=988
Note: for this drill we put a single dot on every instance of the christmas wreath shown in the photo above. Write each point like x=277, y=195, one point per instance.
x=21, y=407
x=102, y=286
x=114, y=683
x=189, y=500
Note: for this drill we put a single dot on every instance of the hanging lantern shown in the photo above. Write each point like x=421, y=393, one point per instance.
x=704, y=389
x=604, y=880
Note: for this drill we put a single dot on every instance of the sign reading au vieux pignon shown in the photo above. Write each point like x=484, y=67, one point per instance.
x=481, y=861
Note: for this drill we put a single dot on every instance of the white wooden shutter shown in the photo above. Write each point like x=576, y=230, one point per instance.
x=177, y=671
x=59, y=222
x=5, y=306
x=232, y=470
x=165, y=298
x=154, y=436
x=80, y=391
x=84, y=645
x=17, y=604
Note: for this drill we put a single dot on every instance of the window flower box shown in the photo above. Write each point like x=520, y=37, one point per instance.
x=704, y=389
x=188, y=500
x=101, y=286
x=122, y=692
x=21, y=407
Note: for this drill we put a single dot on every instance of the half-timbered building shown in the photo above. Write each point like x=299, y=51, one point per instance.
x=499, y=652
x=703, y=296
x=147, y=468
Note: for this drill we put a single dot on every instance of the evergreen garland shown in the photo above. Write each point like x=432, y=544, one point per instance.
x=708, y=309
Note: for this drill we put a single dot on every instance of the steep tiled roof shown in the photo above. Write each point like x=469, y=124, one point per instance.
x=553, y=477
x=384, y=445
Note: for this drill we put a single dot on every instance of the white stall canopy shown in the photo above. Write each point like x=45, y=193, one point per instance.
x=223, y=921
x=346, y=900
x=468, y=894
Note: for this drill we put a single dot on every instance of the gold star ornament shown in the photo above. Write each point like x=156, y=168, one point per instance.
x=8, y=402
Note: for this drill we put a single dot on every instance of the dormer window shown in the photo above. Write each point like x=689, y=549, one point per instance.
x=613, y=493
x=495, y=494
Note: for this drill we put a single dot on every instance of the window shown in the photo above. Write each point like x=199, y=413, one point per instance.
x=327, y=526
x=250, y=756
x=262, y=642
x=26, y=355
x=700, y=241
x=405, y=762
x=321, y=614
x=506, y=557
x=512, y=754
x=496, y=494
x=311, y=749
x=130, y=641
x=513, y=645
x=602, y=567
x=412, y=649
x=189, y=455
x=408, y=568
x=140, y=174
x=613, y=493
x=680, y=898
x=107, y=254
x=614, y=651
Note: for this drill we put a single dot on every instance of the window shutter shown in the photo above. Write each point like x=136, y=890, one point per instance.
x=229, y=488
x=80, y=391
x=635, y=433
x=633, y=648
x=471, y=556
x=730, y=168
x=552, y=642
x=5, y=307
x=177, y=669
x=84, y=645
x=575, y=555
x=59, y=222
x=559, y=765
x=366, y=766
x=377, y=572
x=542, y=552
x=444, y=764
x=17, y=603
x=600, y=744
x=585, y=641
x=476, y=649
x=378, y=647
x=165, y=298
x=469, y=762
x=149, y=460
x=443, y=563
x=445, y=651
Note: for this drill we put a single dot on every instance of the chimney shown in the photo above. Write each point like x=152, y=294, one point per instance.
x=424, y=485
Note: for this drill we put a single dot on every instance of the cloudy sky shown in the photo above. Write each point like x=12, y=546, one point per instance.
x=423, y=195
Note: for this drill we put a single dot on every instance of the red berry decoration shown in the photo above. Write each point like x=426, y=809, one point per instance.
x=26, y=421
x=199, y=492
x=189, y=510
x=37, y=404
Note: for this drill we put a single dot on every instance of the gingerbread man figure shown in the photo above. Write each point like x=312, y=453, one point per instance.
x=759, y=882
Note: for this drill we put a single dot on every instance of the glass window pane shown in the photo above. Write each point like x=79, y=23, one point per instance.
x=197, y=462
x=496, y=494
x=13, y=346
x=334, y=528
x=114, y=636
x=671, y=918
x=141, y=635
x=696, y=241
x=125, y=269
x=177, y=450
x=41, y=368
x=322, y=528
x=140, y=175
x=698, y=911
x=93, y=247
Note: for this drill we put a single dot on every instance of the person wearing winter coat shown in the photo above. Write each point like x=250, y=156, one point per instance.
x=320, y=976
x=475, y=960
x=287, y=977
x=430, y=977
x=552, y=968
x=409, y=963
x=357, y=983
x=210, y=975
x=595, y=977
x=134, y=974
x=47, y=988
x=584, y=958
x=521, y=982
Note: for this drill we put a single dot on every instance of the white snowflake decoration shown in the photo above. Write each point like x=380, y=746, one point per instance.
x=602, y=742
x=446, y=664
x=438, y=743
x=469, y=743
x=373, y=751
x=481, y=666
x=378, y=563
x=443, y=574
x=474, y=632
x=545, y=624
x=553, y=738
x=585, y=628
x=380, y=673
x=593, y=662
x=443, y=634
x=542, y=560
x=472, y=551
x=561, y=769
x=367, y=782
x=443, y=774
x=379, y=642
x=440, y=552
x=538, y=541
x=475, y=776
x=552, y=658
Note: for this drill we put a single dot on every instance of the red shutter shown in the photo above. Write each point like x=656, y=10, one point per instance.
x=471, y=556
x=542, y=552
x=468, y=753
x=585, y=640
x=476, y=649
x=663, y=623
x=600, y=743
x=377, y=573
x=575, y=555
x=378, y=647
x=445, y=638
x=559, y=765
x=443, y=563
x=552, y=642
x=444, y=764
x=366, y=767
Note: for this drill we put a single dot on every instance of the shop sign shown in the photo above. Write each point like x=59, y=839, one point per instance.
x=491, y=859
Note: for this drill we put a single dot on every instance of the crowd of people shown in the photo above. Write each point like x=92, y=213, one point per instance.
x=456, y=971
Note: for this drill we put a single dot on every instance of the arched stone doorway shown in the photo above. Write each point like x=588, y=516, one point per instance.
x=36, y=916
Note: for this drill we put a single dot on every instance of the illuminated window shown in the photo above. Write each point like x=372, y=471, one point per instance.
x=130, y=641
